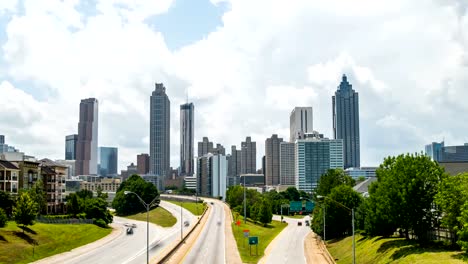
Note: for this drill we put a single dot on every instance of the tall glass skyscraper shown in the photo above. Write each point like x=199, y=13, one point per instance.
x=434, y=151
x=87, y=144
x=345, y=105
x=186, y=139
x=108, y=158
x=70, y=147
x=159, y=132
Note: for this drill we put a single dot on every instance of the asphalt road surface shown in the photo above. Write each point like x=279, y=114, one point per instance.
x=289, y=245
x=209, y=247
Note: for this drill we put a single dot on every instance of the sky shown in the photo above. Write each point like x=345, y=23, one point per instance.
x=244, y=64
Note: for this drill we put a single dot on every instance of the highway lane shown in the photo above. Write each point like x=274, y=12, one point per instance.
x=132, y=248
x=210, y=245
x=288, y=247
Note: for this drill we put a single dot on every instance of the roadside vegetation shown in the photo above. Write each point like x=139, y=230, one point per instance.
x=158, y=216
x=265, y=235
x=28, y=244
x=193, y=207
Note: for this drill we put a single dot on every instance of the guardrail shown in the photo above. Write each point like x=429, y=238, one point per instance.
x=173, y=250
x=63, y=221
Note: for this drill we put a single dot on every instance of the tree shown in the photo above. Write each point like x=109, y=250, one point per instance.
x=3, y=218
x=130, y=204
x=85, y=194
x=38, y=195
x=403, y=196
x=25, y=210
x=292, y=194
x=6, y=202
x=331, y=179
x=264, y=213
x=96, y=208
x=74, y=204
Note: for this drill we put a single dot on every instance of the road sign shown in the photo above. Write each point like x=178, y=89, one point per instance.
x=295, y=206
x=309, y=206
x=238, y=222
x=246, y=233
x=253, y=240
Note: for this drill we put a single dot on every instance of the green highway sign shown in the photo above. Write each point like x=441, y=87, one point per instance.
x=253, y=240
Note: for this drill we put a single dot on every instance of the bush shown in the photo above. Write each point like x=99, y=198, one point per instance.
x=3, y=218
x=100, y=222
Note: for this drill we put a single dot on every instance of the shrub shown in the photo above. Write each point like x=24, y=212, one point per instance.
x=100, y=222
x=3, y=218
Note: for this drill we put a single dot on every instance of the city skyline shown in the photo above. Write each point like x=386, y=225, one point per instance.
x=229, y=69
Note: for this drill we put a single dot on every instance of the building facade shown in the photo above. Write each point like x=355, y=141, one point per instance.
x=434, y=151
x=454, y=153
x=248, y=156
x=143, y=162
x=9, y=177
x=108, y=161
x=205, y=147
x=53, y=178
x=314, y=156
x=272, y=160
x=186, y=139
x=159, y=131
x=87, y=143
x=345, y=108
x=70, y=147
x=212, y=175
x=287, y=163
x=366, y=172
x=300, y=121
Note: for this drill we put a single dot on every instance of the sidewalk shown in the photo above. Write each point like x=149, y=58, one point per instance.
x=232, y=253
x=316, y=251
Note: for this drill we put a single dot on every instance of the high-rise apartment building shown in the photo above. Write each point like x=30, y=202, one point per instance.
x=287, y=163
x=300, y=122
x=70, y=147
x=219, y=150
x=272, y=160
x=87, y=143
x=248, y=156
x=108, y=161
x=314, y=156
x=205, y=147
x=345, y=108
x=159, y=131
x=212, y=175
x=143, y=164
x=186, y=139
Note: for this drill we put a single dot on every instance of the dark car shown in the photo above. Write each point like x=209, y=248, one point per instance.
x=299, y=223
x=129, y=231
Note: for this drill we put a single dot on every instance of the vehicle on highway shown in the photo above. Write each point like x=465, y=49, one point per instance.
x=186, y=223
x=299, y=223
x=211, y=203
x=129, y=231
x=307, y=222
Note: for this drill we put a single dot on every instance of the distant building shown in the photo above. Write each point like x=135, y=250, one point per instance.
x=108, y=158
x=455, y=168
x=87, y=143
x=248, y=156
x=106, y=185
x=131, y=169
x=345, y=108
x=70, y=164
x=53, y=177
x=454, y=153
x=159, y=131
x=4, y=148
x=314, y=156
x=186, y=139
x=205, y=147
x=434, y=151
x=287, y=163
x=190, y=182
x=252, y=180
x=143, y=164
x=272, y=160
x=300, y=121
x=156, y=180
x=366, y=172
x=212, y=175
x=70, y=147
x=235, y=162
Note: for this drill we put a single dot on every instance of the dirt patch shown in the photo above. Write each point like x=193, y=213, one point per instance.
x=315, y=250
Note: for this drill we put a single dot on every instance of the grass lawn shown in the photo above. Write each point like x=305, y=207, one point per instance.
x=46, y=239
x=265, y=236
x=158, y=216
x=194, y=208
x=391, y=250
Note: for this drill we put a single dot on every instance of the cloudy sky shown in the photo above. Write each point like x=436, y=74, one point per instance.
x=244, y=63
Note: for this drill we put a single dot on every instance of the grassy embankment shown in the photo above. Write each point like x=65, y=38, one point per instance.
x=392, y=250
x=194, y=208
x=265, y=236
x=158, y=216
x=44, y=240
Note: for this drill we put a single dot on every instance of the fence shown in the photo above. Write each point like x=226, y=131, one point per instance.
x=47, y=220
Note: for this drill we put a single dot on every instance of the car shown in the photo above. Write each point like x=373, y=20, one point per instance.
x=129, y=231
x=186, y=223
x=134, y=225
x=299, y=223
x=211, y=203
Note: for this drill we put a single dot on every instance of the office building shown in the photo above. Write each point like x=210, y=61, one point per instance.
x=70, y=165
x=219, y=150
x=159, y=131
x=212, y=176
x=356, y=173
x=314, y=156
x=287, y=163
x=186, y=139
x=434, y=151
x=251, y=180
x=235, y=161
x=108, y=161
x=454, y=153
x=272, y=160
x=205, y=147
x=87, y=143
x=70, y=147
x=300, y=122
x=345, y=108
x=248, y=156
x=143, y=161
x=4, y=148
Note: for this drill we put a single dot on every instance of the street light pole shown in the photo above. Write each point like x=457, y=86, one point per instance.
x=147, y=207
x=245, y=205
x=324, y=212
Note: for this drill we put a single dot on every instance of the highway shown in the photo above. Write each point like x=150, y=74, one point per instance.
x=129, y=248
x=210, y=245
x=288, y=247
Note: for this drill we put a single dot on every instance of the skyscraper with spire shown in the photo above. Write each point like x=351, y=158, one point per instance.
x=87, y=143
x=186, y=139
x=345, y=108
x=160, y=131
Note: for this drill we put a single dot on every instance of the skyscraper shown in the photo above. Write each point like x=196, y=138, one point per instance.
x=205, y=147
x=345, y=109
x=143, y=164
x=287, y=163
x=70, y=147
x=159, y=131
x=186, y=139
x=248, y=156
x=87, y=144
x=300, y=122
x=212, y=175
x=272, y=160
x=434, y=151
x=108, y=158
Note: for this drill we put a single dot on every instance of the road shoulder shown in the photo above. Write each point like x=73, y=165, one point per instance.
x=316, y=251
x=232, y=253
